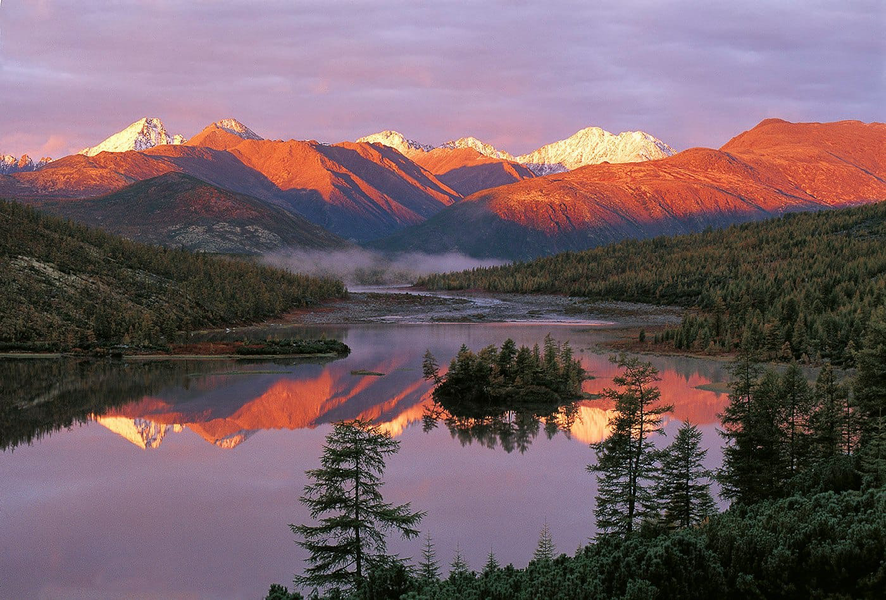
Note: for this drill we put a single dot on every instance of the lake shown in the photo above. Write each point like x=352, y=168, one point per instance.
x=182, y=482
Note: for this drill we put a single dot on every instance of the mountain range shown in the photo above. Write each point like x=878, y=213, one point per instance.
x=774, y=168
x=589, y=146
x=227, y=189
x=10, y=164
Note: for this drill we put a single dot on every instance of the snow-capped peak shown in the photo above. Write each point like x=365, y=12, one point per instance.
x=480, y=146
x=141, y=135
x=235, y=127
x=10, y=164
x=396, y=140
x=593, y=145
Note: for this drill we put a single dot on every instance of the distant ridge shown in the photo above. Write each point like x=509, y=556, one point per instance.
x=589, y=146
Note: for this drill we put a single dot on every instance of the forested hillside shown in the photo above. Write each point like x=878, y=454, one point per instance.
x=72, y=285
x=804, y=284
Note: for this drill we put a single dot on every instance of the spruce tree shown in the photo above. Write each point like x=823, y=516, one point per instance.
x=544, y=551
x=830, y=424
x=754, y=465
x=626, y=459
x=492, y=564
x=459, y=566
x=870, y=393
x=429, y=569
x=353, y=518
x=683, y=486
x=796, y=408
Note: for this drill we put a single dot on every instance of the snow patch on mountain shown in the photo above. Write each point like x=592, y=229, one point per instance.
x=593, y=146
x=143, y=134
x=397, y=141
x=478, y=145
x=10, y=164
x=589, y=146
x=235, y=127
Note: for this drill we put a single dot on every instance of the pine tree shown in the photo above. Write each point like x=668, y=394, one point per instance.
x=683, y=487
x=626, y=459
x=429, y=569
x=754, y=465
x=870, y=393
x=796, y=407
x=491, y=565
x=353, y=517
x=544, y=551
x=459, y=566
x=830, y=424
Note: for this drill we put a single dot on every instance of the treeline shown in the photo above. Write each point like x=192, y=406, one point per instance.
x=75, y=286
x=799, y=287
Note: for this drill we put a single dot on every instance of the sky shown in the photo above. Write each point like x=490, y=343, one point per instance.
x=517, y=74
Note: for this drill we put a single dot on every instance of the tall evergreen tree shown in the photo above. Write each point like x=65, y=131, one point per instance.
x=831, y=422
x=492, y=564
x=429, y=569
x=459, y=566
x=545, y=548
x=870, y=392
x=796, y=408
x=626, y=459
x=683, y=486
x=353, y=518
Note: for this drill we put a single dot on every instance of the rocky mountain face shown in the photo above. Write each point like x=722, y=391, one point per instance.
x=10, y=164
x=774, y=168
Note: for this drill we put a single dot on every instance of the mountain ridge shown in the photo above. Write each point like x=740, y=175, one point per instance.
x=773, y=168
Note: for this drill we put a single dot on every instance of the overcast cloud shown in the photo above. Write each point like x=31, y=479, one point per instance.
x=516, y=74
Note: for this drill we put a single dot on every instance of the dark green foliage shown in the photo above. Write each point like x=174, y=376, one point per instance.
x=824, y=546
x=290, y=347
x=828, y=545
x=353, y=517
x=281, y=592
x=753, y=460
x=73, y=285
x=870, y=391
x=626, y=460
x=800, y=286
x=682, y=487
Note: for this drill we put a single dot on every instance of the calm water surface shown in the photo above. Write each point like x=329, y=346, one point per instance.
x=184, y=488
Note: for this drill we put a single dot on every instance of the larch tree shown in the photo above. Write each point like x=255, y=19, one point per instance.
x=626, y=460
x=684, y=484
x=346, y=499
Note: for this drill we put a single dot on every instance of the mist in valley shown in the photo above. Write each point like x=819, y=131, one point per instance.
x=366, y=267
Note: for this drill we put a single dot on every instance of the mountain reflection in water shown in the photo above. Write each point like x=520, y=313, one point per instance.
x=86, y=513
x=226, y=402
